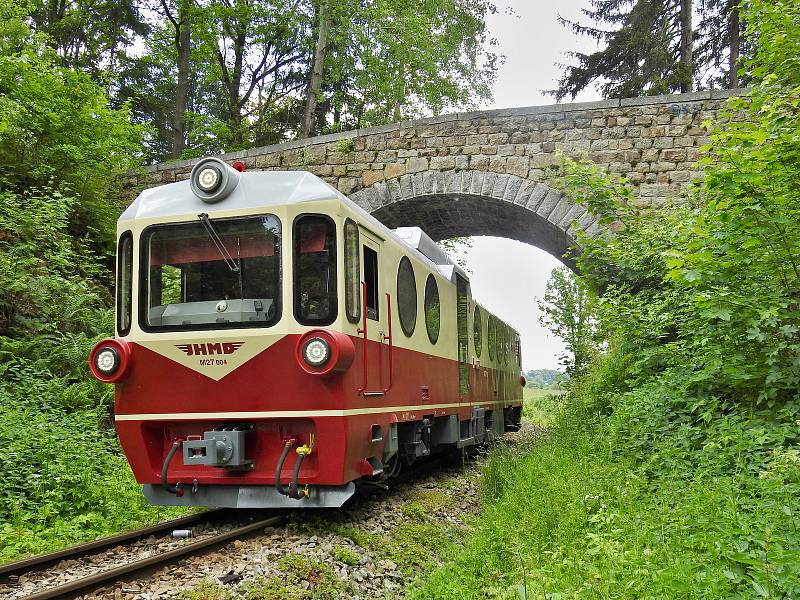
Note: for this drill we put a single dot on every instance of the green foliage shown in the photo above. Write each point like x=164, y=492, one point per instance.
x=346, y=555
x=543, y=378
x=63, y=478
x=56, y=130
x=392, y=60
x=643, y=47
x=541, y=405
x=573, y=517
x=566, y=309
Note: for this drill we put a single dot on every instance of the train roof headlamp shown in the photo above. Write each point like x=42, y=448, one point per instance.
x=316, y=352
x=209, y=179
x=212, y=180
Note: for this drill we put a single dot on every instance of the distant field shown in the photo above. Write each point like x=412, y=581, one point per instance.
x=541, y=406
x=534, y=393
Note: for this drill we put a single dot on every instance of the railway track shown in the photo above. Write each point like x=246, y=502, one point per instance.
x=35, y=568
x=129, y=570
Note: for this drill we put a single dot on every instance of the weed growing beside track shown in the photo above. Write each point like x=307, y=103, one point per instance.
x=570, y=516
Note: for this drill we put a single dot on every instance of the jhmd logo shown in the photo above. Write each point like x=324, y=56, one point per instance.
x=209, y=348
x=213, y=358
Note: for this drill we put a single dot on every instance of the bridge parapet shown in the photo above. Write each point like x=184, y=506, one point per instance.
x=653, y=141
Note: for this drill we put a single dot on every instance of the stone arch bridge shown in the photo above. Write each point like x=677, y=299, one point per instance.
x=486, y=173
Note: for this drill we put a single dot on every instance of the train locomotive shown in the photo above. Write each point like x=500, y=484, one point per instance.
x=276, y=345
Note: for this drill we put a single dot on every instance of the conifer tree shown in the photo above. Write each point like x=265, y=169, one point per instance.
x=655, y=47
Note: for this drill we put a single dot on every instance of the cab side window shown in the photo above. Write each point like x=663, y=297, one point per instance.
x=314, y=270
x=124, y=282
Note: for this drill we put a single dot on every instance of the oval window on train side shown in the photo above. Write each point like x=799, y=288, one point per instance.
x=477, y=330
x=406, y=296
x=432, y=309
x=352, y=272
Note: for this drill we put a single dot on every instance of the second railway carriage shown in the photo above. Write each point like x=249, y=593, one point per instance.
x=275, y=344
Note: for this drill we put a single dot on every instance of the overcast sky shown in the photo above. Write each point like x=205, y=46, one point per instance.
x=506, y=274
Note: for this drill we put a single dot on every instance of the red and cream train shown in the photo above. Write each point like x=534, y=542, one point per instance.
x=275, y=344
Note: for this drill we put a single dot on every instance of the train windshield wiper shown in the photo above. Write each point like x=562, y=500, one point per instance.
x=212, y=233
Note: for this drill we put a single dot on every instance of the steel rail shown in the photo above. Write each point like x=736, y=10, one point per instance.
x=125, y=571
x=41, y=560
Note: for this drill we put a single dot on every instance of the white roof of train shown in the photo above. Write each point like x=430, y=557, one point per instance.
x=256, y=189
x=261, y=189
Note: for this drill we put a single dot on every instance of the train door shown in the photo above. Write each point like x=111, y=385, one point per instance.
x=374, y=328
x=462, y=324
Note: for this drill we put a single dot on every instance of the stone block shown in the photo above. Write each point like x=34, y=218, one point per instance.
x=442, y=163
x=417, y=165
x=346, y=185
x=518, y=165
x=479, y=162
x=320, y=170
x=497, y=165
x=268, y=160
x=500, y=185
x=673, y=154
x=434, y=142
x=543, y=161
x=394, y=170
x=549, y=202
x=506, y=150
x=537, y=196
x=477, y=139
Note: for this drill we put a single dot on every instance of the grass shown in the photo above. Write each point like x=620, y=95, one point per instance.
x=540, y=406
x=569, y=517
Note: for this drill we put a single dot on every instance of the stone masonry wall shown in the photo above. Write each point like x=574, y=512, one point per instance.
x=653, y=141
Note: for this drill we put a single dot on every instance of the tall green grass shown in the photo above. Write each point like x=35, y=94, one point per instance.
x=571, y=517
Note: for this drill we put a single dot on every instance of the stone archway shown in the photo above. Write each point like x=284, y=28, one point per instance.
x=448, y=204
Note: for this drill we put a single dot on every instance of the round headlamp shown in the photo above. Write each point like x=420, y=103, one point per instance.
x=107, y=360
x=209, y=179
x=316, y=352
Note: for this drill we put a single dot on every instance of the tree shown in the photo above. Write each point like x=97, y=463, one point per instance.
x=180, y=17
x=61, y=149
x=315, y=81
x=393, y=59
x=258, y=50
x=566, y=310
x=88, y=35
x=652, y=47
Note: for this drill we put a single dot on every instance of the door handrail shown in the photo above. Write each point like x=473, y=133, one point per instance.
x=390, y=340
x=363, y=332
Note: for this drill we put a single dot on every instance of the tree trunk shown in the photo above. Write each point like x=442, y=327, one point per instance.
x=183, y=47
x=734, y=41
x=315, y=82
x=686, y=65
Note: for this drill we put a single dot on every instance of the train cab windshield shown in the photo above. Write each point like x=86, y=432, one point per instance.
x=212, y=274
